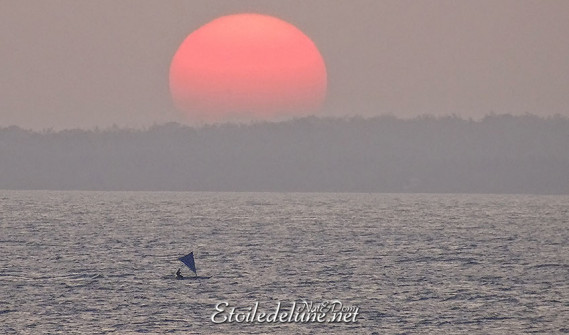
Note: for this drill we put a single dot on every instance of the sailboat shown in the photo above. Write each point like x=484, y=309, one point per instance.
x=189, y=261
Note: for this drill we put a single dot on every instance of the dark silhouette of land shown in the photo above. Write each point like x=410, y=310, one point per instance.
x=498, y=154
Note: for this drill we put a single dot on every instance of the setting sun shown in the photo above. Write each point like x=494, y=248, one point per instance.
x=247, y=66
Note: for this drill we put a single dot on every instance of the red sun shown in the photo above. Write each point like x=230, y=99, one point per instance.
x=247, y=66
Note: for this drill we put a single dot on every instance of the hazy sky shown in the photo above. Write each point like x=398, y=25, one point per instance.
x=68, y=63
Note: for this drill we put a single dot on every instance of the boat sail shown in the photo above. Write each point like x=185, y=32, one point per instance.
x=189, y=261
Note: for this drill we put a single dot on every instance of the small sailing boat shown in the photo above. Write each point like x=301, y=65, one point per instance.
x=189, y=261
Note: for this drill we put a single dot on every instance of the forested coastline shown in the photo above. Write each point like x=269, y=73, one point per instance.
x=497, y=154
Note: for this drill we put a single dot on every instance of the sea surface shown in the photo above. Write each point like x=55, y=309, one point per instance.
x=104, y=262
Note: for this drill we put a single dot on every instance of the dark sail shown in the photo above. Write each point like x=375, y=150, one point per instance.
x=189, y=261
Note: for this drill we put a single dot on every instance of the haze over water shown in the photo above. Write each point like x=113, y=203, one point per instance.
x=101, y=262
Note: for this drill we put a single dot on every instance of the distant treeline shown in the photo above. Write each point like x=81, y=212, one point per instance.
x=498, y=154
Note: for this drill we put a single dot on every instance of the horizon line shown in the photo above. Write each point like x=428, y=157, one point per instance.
x=386, y=116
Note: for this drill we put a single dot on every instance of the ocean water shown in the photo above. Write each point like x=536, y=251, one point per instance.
x=102, y=263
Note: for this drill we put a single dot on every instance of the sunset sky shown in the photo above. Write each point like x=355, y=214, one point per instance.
x=69, y=64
